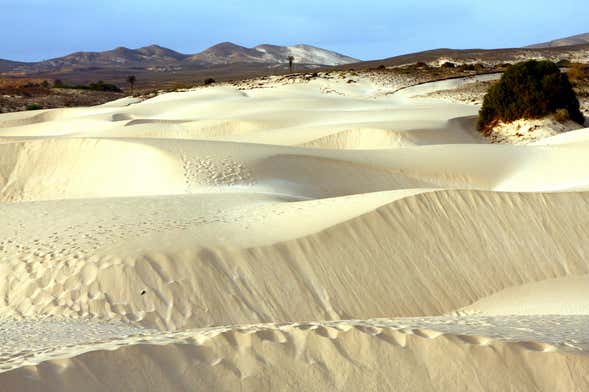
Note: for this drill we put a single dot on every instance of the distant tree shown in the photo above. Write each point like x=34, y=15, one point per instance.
x=58, y=83
x=290, y=63
x=131, y=80
x=532, y=89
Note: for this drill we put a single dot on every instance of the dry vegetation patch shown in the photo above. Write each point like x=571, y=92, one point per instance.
x=34, y=94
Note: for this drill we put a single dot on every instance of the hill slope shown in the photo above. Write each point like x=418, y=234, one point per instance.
x=578, y=39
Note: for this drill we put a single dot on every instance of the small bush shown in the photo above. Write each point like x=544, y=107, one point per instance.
x=532, y=89
x=473, y=67
x=448, y=64
x=563, y=63
x=209, y=81
x=562, y=115
x=34, y=106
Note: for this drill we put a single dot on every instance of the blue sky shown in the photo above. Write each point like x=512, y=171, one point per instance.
x=368, y=29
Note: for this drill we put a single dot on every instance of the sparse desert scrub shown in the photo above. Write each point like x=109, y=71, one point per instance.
x=578, y=74
x=529, y=90
x=32, y=94
x=562, y=115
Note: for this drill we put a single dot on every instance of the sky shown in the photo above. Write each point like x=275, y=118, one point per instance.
x=33, y=30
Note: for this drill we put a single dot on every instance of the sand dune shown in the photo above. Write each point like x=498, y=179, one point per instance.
x=314, y=236
x=89, y=167
x=206, y=260
x=378, y=354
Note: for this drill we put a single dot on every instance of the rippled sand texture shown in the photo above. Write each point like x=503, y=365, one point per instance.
x=317, y=236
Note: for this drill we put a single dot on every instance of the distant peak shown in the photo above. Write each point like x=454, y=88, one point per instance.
x=153, y=46
x=227, y=45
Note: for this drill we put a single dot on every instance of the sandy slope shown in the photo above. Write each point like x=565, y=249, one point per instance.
x=341, y=355
x=225, y=239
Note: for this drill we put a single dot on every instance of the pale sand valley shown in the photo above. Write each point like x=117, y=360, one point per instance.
x=339, y=232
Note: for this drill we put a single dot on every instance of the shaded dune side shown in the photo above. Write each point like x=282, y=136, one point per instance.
x=567, y=295
x=310, y=358
x=66, y=168
x=460, y=130
x=374, y=138
x=394, y=261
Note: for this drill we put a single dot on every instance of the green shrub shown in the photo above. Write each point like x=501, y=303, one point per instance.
x=101, y=86
x=96, y=86
x=34, y=106
x=532, y=89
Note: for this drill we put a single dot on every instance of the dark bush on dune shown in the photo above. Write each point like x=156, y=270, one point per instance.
x=209, y=81
x=532, y=89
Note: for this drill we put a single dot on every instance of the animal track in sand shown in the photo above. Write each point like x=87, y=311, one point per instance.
x=50, y=259
x=214, y=172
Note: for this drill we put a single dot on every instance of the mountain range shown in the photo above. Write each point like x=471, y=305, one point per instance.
x=155, y=64
x=157, y=58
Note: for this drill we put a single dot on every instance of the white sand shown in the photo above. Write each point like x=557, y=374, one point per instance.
x=227, y=238
x=527, y=131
